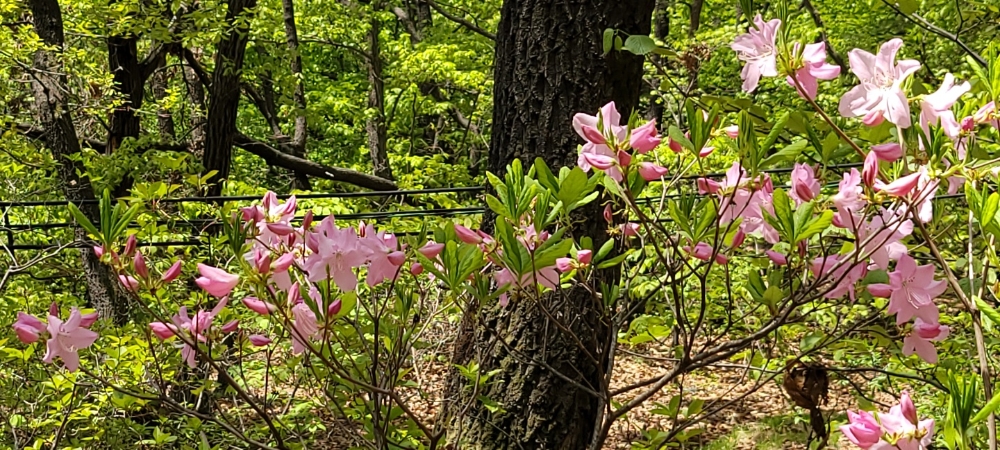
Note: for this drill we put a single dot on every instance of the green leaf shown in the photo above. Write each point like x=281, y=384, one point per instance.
x=987, y=310
x=817, y=225
x=604, y=251
x=907, y=6
x=695, y=407
x=783, y=211
x=615, y=261
x=990, y=407
x=676, y=134
x=639, y=44
x=990, y=208
x=609, y=37
x=84, y=222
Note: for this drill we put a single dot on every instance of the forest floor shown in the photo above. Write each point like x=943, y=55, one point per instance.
x=761, y=416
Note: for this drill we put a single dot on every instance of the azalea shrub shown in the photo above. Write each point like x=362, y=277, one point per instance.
x=857, y=233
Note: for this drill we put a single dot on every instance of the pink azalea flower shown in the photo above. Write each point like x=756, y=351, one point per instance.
x=814, y=68
x=546, y=276
x=28, y=328
x=231, y=326
x=924, y=195
x=896, y=424
x=162, y=330
x=880, y=94
x=708, y=186
x=172, y=273
x=937, y=107
x=645, y=137
x=66, y=339
x=468, y=236
x=88, y=319
x=850, y=196
x=384, y=259
x=586, y=125
x=913, y=291
x=845, y=277
x=919, y=340
x=733, y=131
x=305, y=327
x=650, y=171
x=805, y=187
x=584, y=256
x=336, y=253
x=757, y=49
x=630, y=229
x=907, y=408
x=564, y=264
x=889, y=152
x=901, y=187
x=862, y=429
x=879, y=238
x=988, y=114
x=215, y=281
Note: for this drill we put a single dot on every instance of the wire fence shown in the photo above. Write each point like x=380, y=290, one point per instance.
x=197, y=225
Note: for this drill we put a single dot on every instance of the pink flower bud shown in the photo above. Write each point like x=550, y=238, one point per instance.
x=889, y=152
x=624, y=158
x=564, y=264
x=139, y=264
x=630, y=229
x=259, y=306
x=284, y=262
x=417, y=268
x=645, y=138
x=608, y=217
x=601, y=162
x=873, y=118
x=738, y=238
x=584, y=256
x=231, y=326
x=431, y=249
x=466, y=235
x=281, y=229
x=172, y=273
x=707, y=186
x=705, y=151
x=162, y=330
x=649, y=171
x=215, y=281
x=130, y=244
x=28, y=328
x=396, y=258
x=733, y=131
x=86, y=320
x=131, y=283
x=880, y=290
x=593, y=135
x=901, y=187
x=907, y=407
x=776, y=258
x=307, y=220
x=862, y=429
x=259, y=340
x=53, y=309
x=869, y=173
x=99, y=251
x=968, y=124
x=334, y=308
x=674, y=146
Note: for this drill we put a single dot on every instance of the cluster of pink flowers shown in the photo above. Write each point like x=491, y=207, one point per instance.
x=607, y=147
x=899, y=429
x=65, y=337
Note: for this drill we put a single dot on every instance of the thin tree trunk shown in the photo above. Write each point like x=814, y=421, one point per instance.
x=52, y=111
x=297, y=147
x=661, y=30
x=548, y=66
x=164, y=119
x=696, y=7
x=375, y=125
x=224, y=97
x=196, y=120
x=123, y=62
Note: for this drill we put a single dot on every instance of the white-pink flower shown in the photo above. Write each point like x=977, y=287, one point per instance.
x=757, y=49
x=814, y=68
x=880, y=94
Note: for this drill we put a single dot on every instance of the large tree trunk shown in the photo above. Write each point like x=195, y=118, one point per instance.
x=696, y=7
x=298, y=144
x=224, y=100
x=548, y=66
x=123, y=62
x=52, y=111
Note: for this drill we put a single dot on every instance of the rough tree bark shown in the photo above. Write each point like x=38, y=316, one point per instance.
x=297, y=146
x=548, y=66
x=375, y=126
x=661, y=29
x=196, y=95
x=224, y=94
x=52, y=111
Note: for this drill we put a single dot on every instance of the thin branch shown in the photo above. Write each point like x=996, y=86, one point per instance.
x=461, y=21
x=925, y=24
